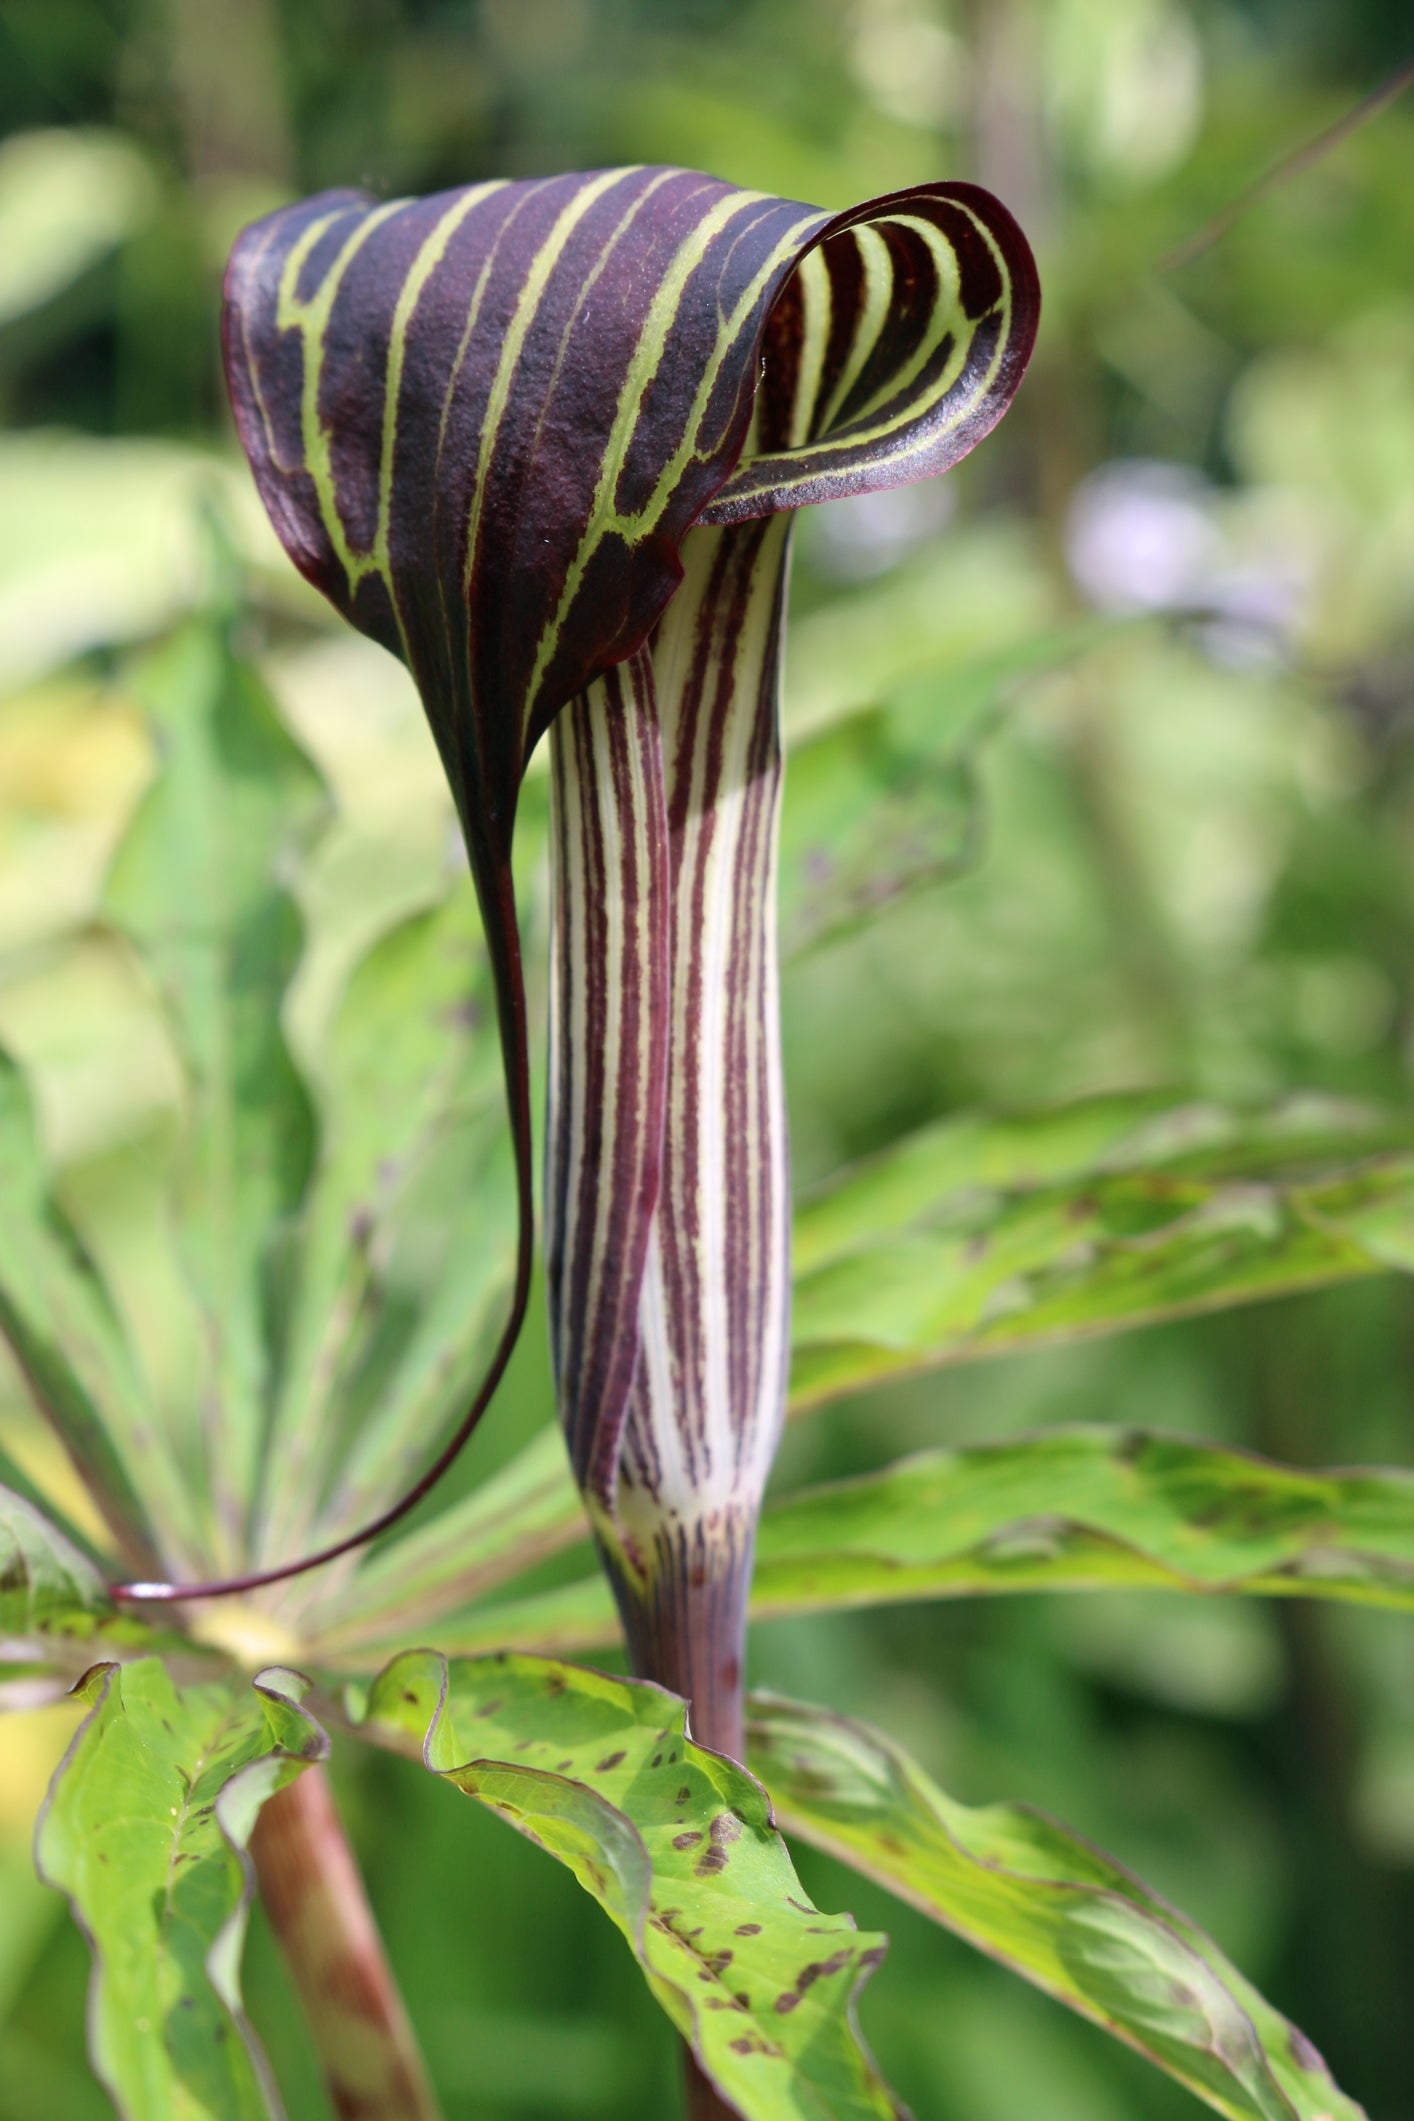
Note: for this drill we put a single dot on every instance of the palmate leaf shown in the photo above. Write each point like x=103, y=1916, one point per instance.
x=678, y=1846
x=69, y=1345
x=196, y=885
x=1046, y=1904
x=404, y=1242
x=145, y=1829
x=1076, y=1509
x=1087, y=1219
x=522, y=1515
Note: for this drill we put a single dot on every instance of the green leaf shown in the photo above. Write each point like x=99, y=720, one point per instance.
x=57, y=1319
x=867, y=820
x=197, y=886
x=47, y=1586
x=520, y=1516
x=678, y=1846
x=66, y=199
x=957, y=1168
x=978, y=1236
x=405, y=1242
x=885, y=800
x=1089, y=1509
x=1046, y=1904
x=1076, y=1509
x=101, y=544
x=971, y=1236
x=145, y=1829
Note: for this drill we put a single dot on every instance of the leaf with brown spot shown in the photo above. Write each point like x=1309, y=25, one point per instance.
x=631, y=1835
x=1047, y=1904
x=145, y=1830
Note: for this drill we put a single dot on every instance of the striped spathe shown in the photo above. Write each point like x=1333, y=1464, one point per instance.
x=532, y=438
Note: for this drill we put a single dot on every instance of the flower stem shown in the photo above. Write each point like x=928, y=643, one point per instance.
x=314, y=1895
x=686, y=1629
x=686, y=1623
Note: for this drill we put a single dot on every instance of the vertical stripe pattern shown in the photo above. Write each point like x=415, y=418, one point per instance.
x=677, y=1246
x=499, y=428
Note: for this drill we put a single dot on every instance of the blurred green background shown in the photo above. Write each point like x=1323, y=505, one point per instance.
x=1191, y=864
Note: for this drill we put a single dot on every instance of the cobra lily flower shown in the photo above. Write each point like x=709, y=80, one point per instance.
x=543, y=440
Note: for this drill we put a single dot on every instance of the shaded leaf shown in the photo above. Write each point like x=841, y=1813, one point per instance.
x=678, y=1846
x=1048, y=1905
x=145, y=1830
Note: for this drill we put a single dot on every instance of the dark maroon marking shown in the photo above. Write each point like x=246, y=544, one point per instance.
x=845, y=266
x=612, y=1760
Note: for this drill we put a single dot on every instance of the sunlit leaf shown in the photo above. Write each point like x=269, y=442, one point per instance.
x=197, y=885
x=103, y=543
x=145, y=1830
x=47, y=1585
x=678, y=1846
x=884, y=799
x=406, y=1240
x=66, y=198
x=521, y=1515
x=1074, y=1509
x=975, y=1237
x=1046, y=1904
x=1089, y=1508
x=70, y=1348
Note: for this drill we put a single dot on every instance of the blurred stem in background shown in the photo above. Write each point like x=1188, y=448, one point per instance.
x=312, y=1891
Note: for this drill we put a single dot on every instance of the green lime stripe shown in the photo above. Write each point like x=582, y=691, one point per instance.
x=604, y=520
x=429, y=257
x=311, y=320
x=527, y=306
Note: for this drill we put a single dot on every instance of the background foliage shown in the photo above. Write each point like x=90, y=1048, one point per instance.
x=1167, y=846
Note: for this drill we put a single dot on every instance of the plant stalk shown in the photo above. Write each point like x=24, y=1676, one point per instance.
x=314, y=1895
x=686, y=1629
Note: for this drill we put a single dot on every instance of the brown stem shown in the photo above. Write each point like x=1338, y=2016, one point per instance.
x=686, y=1628
x=313, y=1893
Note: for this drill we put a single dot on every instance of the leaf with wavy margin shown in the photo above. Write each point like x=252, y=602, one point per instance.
x=145, y=1831
x=1044, y=1902
x=678, y=1846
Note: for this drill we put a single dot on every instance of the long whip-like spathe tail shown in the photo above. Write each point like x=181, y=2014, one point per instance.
x=503, y=936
